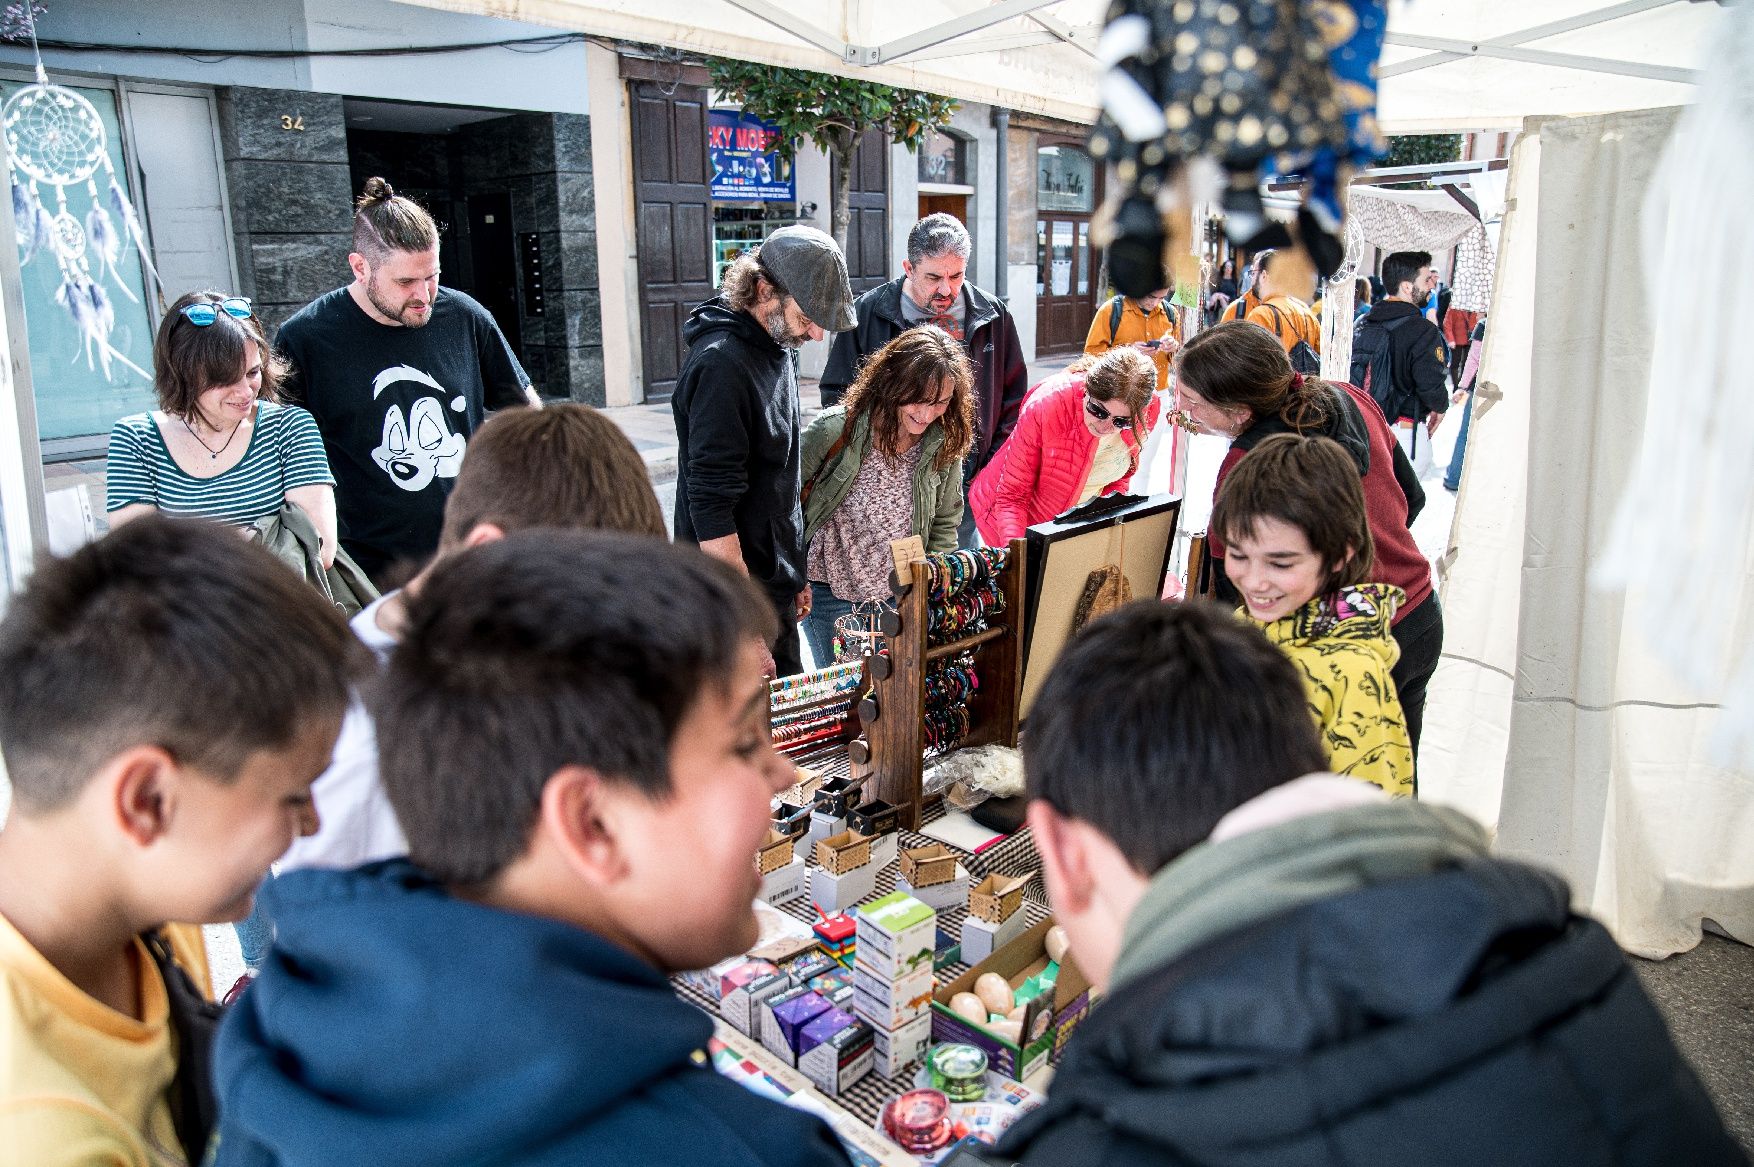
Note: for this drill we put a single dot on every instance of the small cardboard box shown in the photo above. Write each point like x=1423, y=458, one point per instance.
x=981, y=939
x=890, y=1004
x=923, y=866
x=786, y=882
x=774, y=853
x=843, y=852
x=837, y=893
x=783, y=1018
x=952, y=893
x=898, y=1048
x=741, y=1007
x=831, y=798
x=896, y=933
x=739, y=975
x=835, y=1051
x=997, y=897
x=1047, y=1022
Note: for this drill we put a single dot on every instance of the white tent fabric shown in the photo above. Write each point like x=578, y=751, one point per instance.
x=1449, y=65
x=1606, y=767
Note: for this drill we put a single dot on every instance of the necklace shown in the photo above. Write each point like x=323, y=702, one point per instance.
x=211, y=452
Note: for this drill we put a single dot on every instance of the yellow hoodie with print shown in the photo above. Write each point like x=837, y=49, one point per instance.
x=1344, y=651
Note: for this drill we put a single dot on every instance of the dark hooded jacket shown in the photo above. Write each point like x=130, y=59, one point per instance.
x=396, y=1026
x=1001, y=377
x=1393, y=497
x=1368, y=988
x=737, y=430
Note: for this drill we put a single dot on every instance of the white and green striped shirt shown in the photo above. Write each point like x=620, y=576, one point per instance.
x=285, y=452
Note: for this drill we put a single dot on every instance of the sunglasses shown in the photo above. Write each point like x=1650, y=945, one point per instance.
x=206, y=312
x=1100, y=414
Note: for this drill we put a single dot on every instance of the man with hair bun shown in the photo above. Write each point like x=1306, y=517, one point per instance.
x=398, y=374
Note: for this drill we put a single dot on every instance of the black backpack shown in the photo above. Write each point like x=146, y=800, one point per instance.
x=1304, y=359
x=1373, y=364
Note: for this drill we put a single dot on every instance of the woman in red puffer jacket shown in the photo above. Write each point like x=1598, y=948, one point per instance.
x=1079, y=436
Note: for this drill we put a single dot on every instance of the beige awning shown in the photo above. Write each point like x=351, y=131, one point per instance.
x=1450, y=65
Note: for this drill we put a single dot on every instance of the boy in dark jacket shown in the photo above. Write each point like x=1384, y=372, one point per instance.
x=573, y=734
x=1300, y=971
x=736, y=410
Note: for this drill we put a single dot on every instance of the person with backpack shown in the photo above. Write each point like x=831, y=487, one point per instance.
x=1147, y=324
x=1283, y=314
x=1398, y=356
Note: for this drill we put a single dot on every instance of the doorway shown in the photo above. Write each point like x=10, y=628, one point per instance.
x=1068, y=190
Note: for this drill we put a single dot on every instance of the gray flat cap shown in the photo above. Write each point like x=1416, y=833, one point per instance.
x=809, y=266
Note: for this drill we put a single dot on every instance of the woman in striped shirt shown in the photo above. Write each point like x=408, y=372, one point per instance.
x=220, y=445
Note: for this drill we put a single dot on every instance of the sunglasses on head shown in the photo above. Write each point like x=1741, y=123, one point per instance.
x=205, y=312
x=1100, y=414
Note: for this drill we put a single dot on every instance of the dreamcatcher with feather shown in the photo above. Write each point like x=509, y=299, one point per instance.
x=70, y=209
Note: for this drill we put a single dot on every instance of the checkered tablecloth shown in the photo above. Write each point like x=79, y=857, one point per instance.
x=1013, y=855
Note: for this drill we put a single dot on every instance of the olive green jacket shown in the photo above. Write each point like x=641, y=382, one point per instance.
x=937, y=493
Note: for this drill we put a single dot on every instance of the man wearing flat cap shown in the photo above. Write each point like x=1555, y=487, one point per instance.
x=736, y=407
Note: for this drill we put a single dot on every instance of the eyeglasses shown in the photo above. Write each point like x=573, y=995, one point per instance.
x=205, y=312
x=1101, y=414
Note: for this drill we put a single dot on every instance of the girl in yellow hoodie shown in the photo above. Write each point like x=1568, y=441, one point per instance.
x=1298, y=549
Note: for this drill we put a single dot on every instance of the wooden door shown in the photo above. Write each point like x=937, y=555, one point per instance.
x=1068, y=268
x=673, y=223
x=868, y=224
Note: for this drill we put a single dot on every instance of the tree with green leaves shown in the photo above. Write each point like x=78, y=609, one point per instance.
x=833, y=112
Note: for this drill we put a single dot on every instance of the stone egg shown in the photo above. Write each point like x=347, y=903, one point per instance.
x=969, y=1007
x=1056, y=942
x=995, y=992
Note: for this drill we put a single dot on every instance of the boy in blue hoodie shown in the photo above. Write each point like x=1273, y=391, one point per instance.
x=572, y=733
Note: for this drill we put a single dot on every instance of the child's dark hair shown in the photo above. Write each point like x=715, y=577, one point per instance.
x=1160, y=719
x=188, y=359
x=1310, y=483
x=166, y=632
x=546, y=649
x=563, y=466
x=384, y=222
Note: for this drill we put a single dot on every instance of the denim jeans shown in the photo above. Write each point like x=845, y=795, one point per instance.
x=1452, y=477
x=825, y=609
x=255, y=932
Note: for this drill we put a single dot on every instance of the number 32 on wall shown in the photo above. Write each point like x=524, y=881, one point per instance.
x=293, y=121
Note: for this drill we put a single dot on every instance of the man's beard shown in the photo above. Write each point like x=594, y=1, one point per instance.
x=775, y=323
x=391, y=312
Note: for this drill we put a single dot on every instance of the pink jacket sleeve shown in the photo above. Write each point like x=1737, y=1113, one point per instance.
x=1005, y=487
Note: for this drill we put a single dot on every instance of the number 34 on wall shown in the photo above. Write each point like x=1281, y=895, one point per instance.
x=293, y=121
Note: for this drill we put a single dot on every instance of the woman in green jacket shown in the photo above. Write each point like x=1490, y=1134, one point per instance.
x=884, y=464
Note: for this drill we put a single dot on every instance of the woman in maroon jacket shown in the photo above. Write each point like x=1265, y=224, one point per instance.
x=1079, y=437
x=1235, y=381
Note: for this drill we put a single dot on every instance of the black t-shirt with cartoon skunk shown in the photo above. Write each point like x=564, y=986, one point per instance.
x=395, y=406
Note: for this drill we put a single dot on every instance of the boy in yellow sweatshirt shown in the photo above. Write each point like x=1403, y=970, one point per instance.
x=1298, y=549
x=167, y=696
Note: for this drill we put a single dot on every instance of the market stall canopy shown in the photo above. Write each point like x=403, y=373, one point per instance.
x=1449, y=65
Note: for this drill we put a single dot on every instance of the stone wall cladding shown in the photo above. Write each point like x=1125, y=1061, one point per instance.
x=290, y=192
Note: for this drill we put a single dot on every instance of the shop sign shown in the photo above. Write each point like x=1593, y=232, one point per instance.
x=745, y=158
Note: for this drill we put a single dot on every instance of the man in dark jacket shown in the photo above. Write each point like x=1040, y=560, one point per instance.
x=1395, y=338
x=573, y=734
x=1299, y=969
x=736, y=409
x=932, y=291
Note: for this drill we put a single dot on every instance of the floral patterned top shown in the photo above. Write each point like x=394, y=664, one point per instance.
x=1344, y=651
x=851, y=552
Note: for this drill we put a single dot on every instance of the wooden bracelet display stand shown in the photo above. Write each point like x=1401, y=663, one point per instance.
x=889, y=756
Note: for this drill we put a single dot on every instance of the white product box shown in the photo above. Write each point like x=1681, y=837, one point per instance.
x=981, y=939
x=784, y=885
x=896, y=1049
x=836, y=893
x=952, y=893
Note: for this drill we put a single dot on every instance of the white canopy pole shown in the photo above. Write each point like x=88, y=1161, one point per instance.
x=24, y=522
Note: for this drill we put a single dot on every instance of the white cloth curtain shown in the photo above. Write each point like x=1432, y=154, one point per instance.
x=1548, y=714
